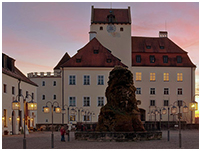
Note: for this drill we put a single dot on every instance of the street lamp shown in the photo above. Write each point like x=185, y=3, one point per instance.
x=31, y=106
x=57, y=109
x=174, y=110
x=193, y=106
x=74, y=112
x=161, y=112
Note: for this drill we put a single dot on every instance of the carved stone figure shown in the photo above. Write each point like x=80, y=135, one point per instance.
x=121, y=112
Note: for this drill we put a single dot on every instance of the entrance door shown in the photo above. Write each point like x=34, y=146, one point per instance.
x=142, y=114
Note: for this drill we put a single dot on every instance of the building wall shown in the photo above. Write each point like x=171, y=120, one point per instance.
x=145, y=84
x=49, y=90
x=7, y=99
x=119, y=42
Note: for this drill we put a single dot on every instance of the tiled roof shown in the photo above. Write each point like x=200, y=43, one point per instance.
x=65, y=58
x=93, y=54
x=18, y=75
x=158, y=47
x=99, y=15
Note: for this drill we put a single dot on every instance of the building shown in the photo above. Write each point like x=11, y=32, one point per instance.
x=163, y=72
x=13, y=84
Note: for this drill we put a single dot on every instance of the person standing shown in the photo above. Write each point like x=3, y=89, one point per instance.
x=63, y=131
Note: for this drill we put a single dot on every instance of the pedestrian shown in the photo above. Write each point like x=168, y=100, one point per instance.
x=62, y=130
x=82, y=127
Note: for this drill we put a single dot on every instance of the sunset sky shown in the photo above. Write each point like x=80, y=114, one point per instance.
x=37, y=35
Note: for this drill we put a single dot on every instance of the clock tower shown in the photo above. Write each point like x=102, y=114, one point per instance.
x=112, y=27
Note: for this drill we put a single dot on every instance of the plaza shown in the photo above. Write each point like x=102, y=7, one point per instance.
x=42, y=140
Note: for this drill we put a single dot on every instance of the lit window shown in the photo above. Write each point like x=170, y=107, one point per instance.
x=138, y=58
x=179, y=91
x=179, y=77
x=152, y=91
x=152, y=76
x=86, y=101
x=86, y=80
x=138, y=91
x=5, y=117
x=100, y=80
x=138, y=76
x=152, y=103
x=166, y=102
x=166, y=91
x=152, y=59
x=100, y=101
x=165, y=77
x=72, y=118
x=72, y=101
x=86, y=118
x=72, y=80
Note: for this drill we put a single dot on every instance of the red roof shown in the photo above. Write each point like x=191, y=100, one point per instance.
x=99, y=15
x=65, y=58
x=93, y=54
x=158, y=47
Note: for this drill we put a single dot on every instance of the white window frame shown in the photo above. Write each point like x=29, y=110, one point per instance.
x=98, y=100
x=138, y=76
x=180, y=91
x=138, y=92
x=71, y=104
x=100, y=79
x=152, y=76
x=86, y=100
x=152, y=91
x=72, y=79
x=179, y=77
x=86, y=80
x=166, y=77
x=166, y=90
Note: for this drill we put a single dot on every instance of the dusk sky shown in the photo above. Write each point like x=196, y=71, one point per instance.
x=37, y=35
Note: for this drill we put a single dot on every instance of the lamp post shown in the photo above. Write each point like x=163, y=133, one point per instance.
x=64, y=112
x=161, y=111
x=174, y=110
x=31, y=106
x=193, y=106
x=47, y=110
x=74, y=112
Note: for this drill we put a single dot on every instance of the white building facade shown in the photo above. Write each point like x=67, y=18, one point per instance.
x=13, y=83
x=162, y=71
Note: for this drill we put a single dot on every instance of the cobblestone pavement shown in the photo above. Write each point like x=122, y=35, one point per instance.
x=42, y=140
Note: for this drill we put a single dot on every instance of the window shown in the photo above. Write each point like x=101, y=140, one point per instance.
x=121, y=29
x=148, y=47
x=138, y=58
x=179, y=91
x=100, y=101
x=27, y=94
x=152, y=76
x=166, y=77
x=5, y=88
x=5, y=117
x=138, y=76
x=162, y=47
x=179, y=77
x=152, y=102
x=13, y=90
x=138, y=91
x=86, y=118
x=32, y=95
x=109, y=60
x=72, y=118
x=86, y=80
x=86, y=101
x=152, y=59
x=179, y=103
x=166, y=91
x=43, y=83
x=101, y=28
x=96, y=51
x=152, y=91
x=100, y=80
x=43, y=97
x=166, y=102
x=72, y=80
x=72, y=101
x=165, y=59
x=78, y=60
x=179, y=59
x=54, y=97
x=54, y=83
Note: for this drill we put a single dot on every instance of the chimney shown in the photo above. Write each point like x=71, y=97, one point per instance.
x=92, y=34
x=163, y=34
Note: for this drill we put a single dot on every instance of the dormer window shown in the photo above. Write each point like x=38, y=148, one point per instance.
x=78, y=60
x=101, y=28
x=111, y=17
x=96, y=51
x=179, y=59
x=165, y=59
x=148, y=47
x=162, y=47
x=152, y=59
x=138, y=58
x=109, y=60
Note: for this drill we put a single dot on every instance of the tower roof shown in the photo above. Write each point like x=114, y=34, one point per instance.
x=93, y=54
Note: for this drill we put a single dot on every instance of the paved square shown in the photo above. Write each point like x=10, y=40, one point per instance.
x=42, y=140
